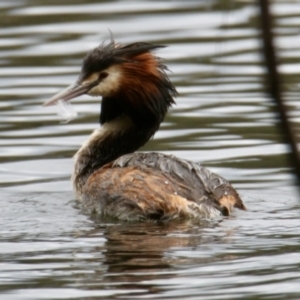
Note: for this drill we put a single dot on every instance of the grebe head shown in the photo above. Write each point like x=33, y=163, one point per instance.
x=131, y=80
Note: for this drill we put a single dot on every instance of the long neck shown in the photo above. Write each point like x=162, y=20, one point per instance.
x=114, y=139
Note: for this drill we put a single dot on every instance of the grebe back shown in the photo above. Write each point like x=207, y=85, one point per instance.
x=109, y=177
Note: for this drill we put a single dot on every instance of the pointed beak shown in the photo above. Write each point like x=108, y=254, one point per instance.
x=71, y=92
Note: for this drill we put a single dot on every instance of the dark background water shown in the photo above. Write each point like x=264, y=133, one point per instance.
x=223, y=119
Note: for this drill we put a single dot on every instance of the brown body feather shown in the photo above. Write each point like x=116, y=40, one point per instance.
x=153, y=186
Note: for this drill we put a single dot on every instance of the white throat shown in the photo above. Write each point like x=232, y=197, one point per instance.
x=110, y=128
x=86, y=151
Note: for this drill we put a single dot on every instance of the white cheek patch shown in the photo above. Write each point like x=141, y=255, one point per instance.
x=109, y=85
x=93, y=77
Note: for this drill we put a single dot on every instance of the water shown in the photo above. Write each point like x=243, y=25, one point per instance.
x=50, y=250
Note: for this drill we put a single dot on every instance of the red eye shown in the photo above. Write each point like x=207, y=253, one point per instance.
x=103, y=75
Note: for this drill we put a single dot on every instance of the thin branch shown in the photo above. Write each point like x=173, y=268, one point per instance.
x=275, y=86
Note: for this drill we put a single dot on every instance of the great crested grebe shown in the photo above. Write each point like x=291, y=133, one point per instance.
x=109, y=177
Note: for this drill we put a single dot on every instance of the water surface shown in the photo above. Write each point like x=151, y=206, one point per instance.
x=49, y=249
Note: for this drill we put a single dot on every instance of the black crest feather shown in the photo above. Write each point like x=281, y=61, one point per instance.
x=110, y=54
